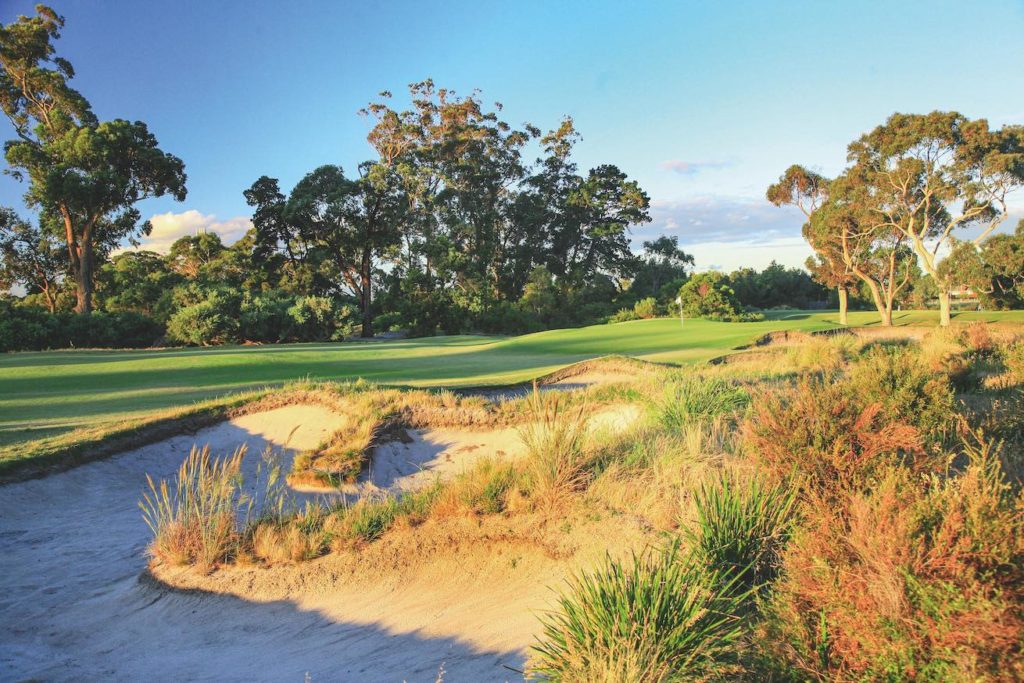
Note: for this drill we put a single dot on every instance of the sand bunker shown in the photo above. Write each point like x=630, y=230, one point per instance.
x=430, y=455
x=72, y=605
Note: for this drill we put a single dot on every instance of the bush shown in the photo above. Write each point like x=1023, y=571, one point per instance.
x=265, y=317
x=895, y=379
x=708, y=295
x=906, y=582
x=624, y=315
x=693, y=399
x=655, y=618
x=213, y=319
x=829, y=441
x=646, y=308
x=314, y=318
x=28, y=328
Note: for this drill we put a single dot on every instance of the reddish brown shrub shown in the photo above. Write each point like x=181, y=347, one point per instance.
x=831, y=443
x=906, y=582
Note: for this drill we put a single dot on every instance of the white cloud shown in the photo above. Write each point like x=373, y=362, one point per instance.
x=169, y=227
x=690, y=168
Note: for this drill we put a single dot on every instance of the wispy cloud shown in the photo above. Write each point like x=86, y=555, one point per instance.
x=689, y=168
x=723, y=219
x=169, y=227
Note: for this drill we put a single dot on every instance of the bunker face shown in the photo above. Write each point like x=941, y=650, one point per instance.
x=73, y=607
x=72, y=547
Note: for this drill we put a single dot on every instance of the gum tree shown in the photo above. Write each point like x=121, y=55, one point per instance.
x=89, y=174
x=807, y=191
x=925, y=176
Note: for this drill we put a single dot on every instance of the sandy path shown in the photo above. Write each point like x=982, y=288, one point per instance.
x=72, y=606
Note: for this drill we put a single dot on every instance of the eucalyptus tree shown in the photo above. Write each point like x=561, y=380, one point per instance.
x=341, y=227
x=88, y=173
x=877, y=255
x=807, y=191
x=925, y=176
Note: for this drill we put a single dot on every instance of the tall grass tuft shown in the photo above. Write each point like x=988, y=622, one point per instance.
x=696, y=399
x=554, y=439
x=742, y=528
x=657, y=617
x=196, y=523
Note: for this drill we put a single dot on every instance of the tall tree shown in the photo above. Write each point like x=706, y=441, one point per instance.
x=875, y=254
x=926, y=175
x=30, y=257
x=807, y=191
x=90, y=174
x=342, y=226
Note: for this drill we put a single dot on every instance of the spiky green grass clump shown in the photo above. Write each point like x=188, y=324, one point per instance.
x=741, y=528
x=694, y=399
x=658, y=617
x=554, y=439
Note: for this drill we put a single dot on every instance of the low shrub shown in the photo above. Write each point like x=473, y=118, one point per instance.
x=658, y=617
x=827, y=439
x=646, y=308
x=895, y=379
x=906, y=582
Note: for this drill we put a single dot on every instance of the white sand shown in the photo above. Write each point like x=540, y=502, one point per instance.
x=72, y=606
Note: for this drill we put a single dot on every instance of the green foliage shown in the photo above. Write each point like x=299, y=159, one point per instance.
x=692, y=398
x=906, y=389
x=554, y=438
x=28, y=328
x=708, y=295
x=646, y=308
x=742, y=528
x=213, y=319
x=658, y=617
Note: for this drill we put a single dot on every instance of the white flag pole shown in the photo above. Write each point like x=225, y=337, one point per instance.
x=679, y=302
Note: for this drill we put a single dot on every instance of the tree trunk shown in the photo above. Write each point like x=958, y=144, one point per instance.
x=83, y=279
x=843, y=304
x=364, y=276
x=944, y=306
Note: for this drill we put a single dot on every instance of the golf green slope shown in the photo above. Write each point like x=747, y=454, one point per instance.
x=52, y=392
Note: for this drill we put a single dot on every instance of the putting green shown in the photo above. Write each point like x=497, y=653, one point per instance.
x=52, y=392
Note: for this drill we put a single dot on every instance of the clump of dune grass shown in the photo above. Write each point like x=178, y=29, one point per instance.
x=824, y=353
x=742, y=527
x=554, y=439
x=692, y=399
x=657, y=617
x=195, y=521
x=369, y=518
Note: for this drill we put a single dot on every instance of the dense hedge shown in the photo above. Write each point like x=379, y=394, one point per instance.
x=27, y=328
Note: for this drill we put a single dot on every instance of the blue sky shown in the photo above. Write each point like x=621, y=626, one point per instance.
x=704, y=103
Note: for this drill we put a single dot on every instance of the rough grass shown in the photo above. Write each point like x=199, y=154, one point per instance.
x=658, y=617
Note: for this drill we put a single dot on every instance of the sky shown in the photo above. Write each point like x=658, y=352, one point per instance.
x=703, y=103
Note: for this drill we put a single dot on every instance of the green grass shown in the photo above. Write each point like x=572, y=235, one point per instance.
x=51, y=393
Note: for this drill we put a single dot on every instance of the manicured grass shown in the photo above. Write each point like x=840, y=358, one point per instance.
x=49, y=393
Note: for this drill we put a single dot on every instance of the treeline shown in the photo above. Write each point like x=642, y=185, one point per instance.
x=203, y=292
